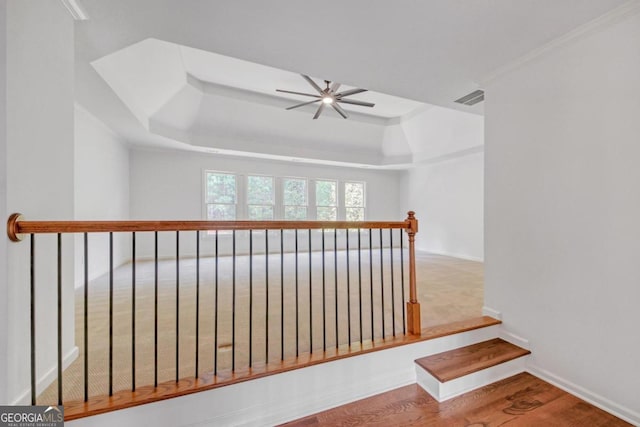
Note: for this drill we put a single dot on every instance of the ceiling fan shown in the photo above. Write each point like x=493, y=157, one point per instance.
x=328, y=96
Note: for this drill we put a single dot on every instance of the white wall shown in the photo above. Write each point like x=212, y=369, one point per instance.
x=562, y=209
x=101, y=191
x=40, y=63
x=445, y=185
x=4, y=286
x=437, y=132
x=168, y=185
x=448, y=197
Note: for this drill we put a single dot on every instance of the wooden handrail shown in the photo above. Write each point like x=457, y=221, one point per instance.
x=17, y=227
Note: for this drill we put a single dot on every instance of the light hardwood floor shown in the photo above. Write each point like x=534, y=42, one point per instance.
x=521, y=400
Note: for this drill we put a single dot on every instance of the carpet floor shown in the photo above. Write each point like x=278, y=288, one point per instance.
x=449, y=290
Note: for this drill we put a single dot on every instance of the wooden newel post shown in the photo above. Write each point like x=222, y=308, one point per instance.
x=413, y=306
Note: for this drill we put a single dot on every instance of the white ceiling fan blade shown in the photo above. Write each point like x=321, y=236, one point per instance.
x=303, y=104
x=312, y=83
x=320, y=108
x=354, y=102
x=297, y=93
x=339, y=110
x=350, y=92
x=334, y=87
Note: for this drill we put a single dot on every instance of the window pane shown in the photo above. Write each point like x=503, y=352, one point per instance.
x=327, y=214
x=295, y=191
x=260, y=213
x=326, y=194
x=355, y=214
x=221, y=188
x=295, y=213
x=260, y=190
x=354, y=194
x=221, y=212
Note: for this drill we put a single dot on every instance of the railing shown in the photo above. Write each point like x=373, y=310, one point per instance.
x=350, y=292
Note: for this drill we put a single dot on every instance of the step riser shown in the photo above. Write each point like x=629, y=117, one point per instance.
x=461, y=339
x=445, y=391
x=294, y=394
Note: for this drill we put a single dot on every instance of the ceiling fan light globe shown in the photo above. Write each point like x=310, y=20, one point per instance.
x=327, y=100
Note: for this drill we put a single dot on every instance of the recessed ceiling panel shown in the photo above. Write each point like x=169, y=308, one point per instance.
x=224, y=70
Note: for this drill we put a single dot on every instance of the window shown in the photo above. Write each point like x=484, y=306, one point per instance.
x=260, y=198
x=354, y=201
x=221, y=196
x=230, y=196
x=326, y=200
x=294, y=198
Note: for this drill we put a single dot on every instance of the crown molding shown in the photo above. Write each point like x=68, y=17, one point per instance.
x=413, y=113
x=600, y=23
x=423, y=160
x=75, y=9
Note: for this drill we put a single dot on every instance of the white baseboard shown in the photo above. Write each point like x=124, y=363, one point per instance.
x=455, y=255
x=79, y=280
x=365, y=388
x=601, y=402
x=515, y=339
x=47, y=378
x=488, y=311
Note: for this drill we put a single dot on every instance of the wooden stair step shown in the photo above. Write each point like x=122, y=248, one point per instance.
x=207, y=381
x=462, y=361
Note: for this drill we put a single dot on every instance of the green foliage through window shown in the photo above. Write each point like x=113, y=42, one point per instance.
x=327, y=213
x=221, y=196
x=326, y=200
x=260, y=197
x=295, y=191
x=216, y=212
x=355, y=214
x=295, y=213
x=260, y=190
x=221, y=188
x=326, y=193
x=260, y=213
x=295, y=198
x=292, y=202
x=354, y=201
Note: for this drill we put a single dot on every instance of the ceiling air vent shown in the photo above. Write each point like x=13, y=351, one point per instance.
x=472, y=99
